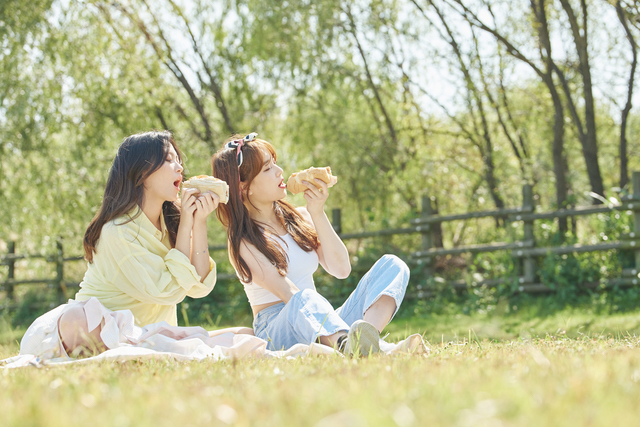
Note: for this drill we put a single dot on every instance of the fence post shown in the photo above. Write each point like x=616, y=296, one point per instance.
x=336, y=220
x=427, y=236
x=529, y=262
x=11, y=263
x=61, y=286
x=635, y=181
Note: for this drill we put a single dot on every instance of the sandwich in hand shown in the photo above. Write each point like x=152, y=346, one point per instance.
x=295, y=185
x=209, y=183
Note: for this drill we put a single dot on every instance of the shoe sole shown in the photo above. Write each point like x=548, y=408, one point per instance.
x=364, y=338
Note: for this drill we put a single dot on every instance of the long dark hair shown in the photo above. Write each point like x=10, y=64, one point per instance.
x=235, y=217
x=138, y=157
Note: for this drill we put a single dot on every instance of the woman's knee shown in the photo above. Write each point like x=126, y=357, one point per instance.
x=307, y=295
x=395, y=261
x=75, y=335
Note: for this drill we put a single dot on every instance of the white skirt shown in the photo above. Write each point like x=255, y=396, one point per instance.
x=41, y=344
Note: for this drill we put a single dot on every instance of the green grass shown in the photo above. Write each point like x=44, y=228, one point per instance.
x=573, y=322
x=534, y=366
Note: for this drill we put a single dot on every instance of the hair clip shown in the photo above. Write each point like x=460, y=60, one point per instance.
x=237, y=145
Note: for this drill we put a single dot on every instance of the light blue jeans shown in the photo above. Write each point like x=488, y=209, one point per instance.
x=308, y=315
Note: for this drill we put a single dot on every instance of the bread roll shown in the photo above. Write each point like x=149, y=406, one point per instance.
x=209, y=183
x=295, y=185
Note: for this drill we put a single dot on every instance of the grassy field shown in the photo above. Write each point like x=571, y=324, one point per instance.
x=528, y=367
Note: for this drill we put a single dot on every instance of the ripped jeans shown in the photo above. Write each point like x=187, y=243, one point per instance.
x=308, y=315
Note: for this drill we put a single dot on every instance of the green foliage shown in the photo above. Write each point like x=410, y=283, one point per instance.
x=32, y=304
x=372, y=89
x=291, y=71
x=565, y=273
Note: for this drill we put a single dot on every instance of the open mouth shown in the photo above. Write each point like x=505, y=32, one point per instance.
x=177, y=182
x=282, y=184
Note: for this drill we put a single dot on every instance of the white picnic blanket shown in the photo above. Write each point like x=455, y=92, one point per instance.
x=41, y=345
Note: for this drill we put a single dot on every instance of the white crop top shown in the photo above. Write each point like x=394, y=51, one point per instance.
x=301, y=266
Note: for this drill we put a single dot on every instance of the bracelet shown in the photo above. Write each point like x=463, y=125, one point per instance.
x=203, y=252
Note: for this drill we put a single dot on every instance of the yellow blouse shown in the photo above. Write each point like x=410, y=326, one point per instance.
x=135, y=268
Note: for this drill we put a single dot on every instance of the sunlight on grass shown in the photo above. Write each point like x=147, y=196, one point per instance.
x=550, y=381
x=528, y=322
x=567, y=368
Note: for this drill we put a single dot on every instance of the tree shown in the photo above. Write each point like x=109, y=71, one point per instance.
x=624, y=10
x=545, y=73
x=587, y=131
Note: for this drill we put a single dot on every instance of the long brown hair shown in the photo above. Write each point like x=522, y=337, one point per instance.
x=138, y=157
x=235, y=217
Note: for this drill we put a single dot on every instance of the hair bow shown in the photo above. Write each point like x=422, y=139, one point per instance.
x=237, y=145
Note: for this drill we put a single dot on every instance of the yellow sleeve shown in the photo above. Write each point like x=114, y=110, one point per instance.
x=148, y=277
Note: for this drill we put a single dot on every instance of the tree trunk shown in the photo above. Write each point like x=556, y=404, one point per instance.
x=590, y=143
x=560, y=166
x=624, y=171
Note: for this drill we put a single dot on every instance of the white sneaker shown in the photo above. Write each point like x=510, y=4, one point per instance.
x=363, y=339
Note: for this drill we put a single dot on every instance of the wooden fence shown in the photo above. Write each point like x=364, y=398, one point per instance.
x=524, y=251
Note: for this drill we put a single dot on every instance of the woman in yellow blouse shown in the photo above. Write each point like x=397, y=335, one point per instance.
x=146, y=251
x=145, y=254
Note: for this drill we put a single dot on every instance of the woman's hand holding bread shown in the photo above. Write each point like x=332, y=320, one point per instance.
x=204, y=183
x=295, y=182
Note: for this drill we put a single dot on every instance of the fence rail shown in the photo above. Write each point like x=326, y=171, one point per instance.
x=524, y=251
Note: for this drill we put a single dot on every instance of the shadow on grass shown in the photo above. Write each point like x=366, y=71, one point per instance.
x=455, y=317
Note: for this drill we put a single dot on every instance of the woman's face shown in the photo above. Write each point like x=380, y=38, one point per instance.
x=268, y=185
x=164, y=184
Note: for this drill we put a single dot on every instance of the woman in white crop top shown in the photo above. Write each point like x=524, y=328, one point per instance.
x=275, y=249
